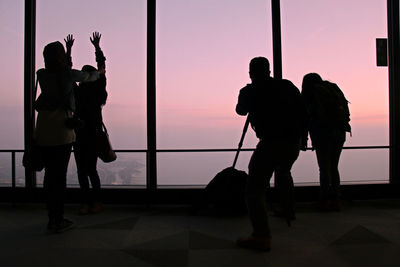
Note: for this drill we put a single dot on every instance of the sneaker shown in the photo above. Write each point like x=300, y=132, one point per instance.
x=96, y=207
x=289, y=216
x=254, y=242
x=64, y=225
x=324, y=205
x=84, y=209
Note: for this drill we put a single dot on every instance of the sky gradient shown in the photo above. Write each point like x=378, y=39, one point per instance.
x=203, y=50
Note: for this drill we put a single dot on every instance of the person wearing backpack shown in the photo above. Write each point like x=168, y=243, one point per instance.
x=277, y=115
x=90, y=97
x=329, y=118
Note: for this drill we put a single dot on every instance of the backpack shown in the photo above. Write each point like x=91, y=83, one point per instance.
x=278, y=112
x=226, y=192
x=331, y=107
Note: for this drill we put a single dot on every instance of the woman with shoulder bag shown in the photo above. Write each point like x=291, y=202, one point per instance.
x=90, y=97
x=55, y=107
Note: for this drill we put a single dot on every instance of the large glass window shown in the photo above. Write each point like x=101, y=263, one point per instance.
x=203, y=52
x=12, y=83
x=356, y=166
x=196, y=168
x=337, y=40
x=122, y=24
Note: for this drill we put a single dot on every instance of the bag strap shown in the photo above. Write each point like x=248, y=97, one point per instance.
x=34, y=98
x=246, y=126
x=35, y=89
x=104, y=127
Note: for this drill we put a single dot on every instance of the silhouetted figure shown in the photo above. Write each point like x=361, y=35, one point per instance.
x=53, y=133
x=277, y=115
x=329, y=121
x=90, y=97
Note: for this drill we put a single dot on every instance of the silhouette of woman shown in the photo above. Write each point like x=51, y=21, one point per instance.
x=55, y=107
x=90, y=97
x=327, y=128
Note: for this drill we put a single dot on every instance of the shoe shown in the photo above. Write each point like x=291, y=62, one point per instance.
x=254, y=242
x=96, y=207
x=324, y=205
x=84, y=209
x=289, y=217
x=64, y=225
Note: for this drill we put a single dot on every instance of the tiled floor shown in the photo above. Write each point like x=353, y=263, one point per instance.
x=363, y=234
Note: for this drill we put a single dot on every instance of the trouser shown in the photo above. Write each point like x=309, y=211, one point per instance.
x=268, y=158
x=86, y=163
x=328, y=153
x=56, y=159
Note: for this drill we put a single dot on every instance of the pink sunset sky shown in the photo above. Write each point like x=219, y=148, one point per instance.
x=203, y=50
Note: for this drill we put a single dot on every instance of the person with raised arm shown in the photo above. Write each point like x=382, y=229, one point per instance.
x=90, y=98
x=54, y=131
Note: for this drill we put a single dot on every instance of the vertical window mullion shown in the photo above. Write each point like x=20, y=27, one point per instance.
x=29, y=82
x=151, y=96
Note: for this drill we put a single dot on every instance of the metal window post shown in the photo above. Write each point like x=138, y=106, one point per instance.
x=276, y=38
x=394, y=87
x=29, y=82
x=13, y=177
x=151, y=97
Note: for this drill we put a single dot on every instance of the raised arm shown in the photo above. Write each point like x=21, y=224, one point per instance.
x=100, y=59
x=69, y=42
x=96, y=40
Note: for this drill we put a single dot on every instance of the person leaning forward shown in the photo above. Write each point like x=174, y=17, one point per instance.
x=278, y=116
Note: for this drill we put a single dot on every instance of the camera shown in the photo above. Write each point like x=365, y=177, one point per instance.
x=74, y=123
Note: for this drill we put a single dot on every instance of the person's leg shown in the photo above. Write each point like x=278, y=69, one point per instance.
x=336, y=150
x=284, y=179
x=81, y=166
x=93, y=174
x=50, y=184
x=324, y=164
x=94, y=180
x=56, y=161
x=260, y=171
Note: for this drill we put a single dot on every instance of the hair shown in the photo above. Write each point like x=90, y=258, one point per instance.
x=99, y=93
x=309, y=80
x=54, y=56
x=259, y=65
x=88, y=68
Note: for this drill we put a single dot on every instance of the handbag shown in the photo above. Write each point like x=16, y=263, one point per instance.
x=33, y=158
x=104, y=149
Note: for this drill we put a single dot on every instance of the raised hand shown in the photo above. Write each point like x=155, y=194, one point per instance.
x=96, y=40
x=69, y=42
x=102, y=70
